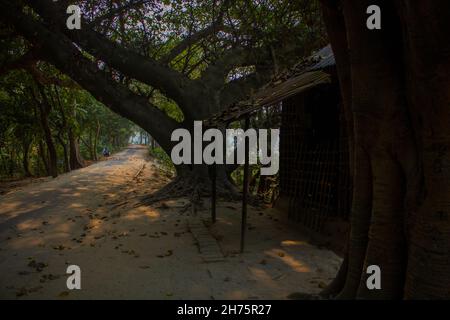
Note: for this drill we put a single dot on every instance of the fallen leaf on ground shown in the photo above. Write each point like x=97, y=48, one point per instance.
x=39, y=266
x=21, y=292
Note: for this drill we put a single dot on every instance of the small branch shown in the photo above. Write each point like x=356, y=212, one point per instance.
x=129, y=62
x=112, y=13
x=215, y=27
x=139, y=171
x=189, y=41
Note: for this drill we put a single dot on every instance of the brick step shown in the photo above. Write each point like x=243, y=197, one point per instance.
x=207, y=244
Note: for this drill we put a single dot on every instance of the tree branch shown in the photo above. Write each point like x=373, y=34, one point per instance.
x=215, y=75
x=112, y=13
x=189, y=41
x=243, y=87
x=28, y=62
x=215, y=27
x=170, y=82
x=55, y=48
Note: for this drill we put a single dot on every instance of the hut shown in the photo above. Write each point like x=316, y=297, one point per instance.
x=314, y=178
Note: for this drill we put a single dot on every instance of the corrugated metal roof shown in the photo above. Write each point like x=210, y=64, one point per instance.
x=322, y=59
x=325, y=57
x=304, y=75
x=270, y=96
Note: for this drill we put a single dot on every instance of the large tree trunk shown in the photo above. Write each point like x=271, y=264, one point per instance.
x=378, y=106
x=74, y=149
x=43, y=157
x=63, y=128
x=65, y=152
x=425, y=30
x=337, y=33
x=97, y=134
x=195, y=182
x=25, y=159
x=44, y=111
x=90, y=145
x=387, y=164
x=12, y=162
x=152, y=142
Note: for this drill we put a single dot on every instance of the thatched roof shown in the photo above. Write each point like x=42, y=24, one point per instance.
x=304, y=75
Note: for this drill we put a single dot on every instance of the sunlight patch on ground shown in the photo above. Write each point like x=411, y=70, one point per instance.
x=27, y=242
x=63, y=227
x=138, y=213
x=236, y=295
x=290, y=243
x=28, y=225
x=76, y=205
x=266, y=279
x=289, y=260
x=40, y=240
x=259, y=274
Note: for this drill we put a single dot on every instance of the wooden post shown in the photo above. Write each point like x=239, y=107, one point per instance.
x=245, y=188
x=213, y=190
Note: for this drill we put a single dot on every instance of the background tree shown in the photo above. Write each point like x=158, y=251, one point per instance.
x=41, y=123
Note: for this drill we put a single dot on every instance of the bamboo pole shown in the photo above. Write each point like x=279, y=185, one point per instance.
x=214, y=193
x=245, y=188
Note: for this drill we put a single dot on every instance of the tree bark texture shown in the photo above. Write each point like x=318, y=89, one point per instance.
x=395, y=88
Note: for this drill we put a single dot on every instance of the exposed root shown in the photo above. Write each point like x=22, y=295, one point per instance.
x=335, y=287
x=195, y=189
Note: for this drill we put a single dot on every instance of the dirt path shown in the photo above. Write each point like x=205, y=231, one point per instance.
x=88, y=218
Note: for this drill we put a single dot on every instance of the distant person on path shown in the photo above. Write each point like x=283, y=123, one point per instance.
x=105, y=152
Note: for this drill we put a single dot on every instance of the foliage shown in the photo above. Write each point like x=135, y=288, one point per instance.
x=23, y=147
x=163, y=158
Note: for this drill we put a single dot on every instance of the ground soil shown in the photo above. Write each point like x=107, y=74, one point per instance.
x=92, y=218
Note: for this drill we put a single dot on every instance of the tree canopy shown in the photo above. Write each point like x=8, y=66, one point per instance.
x=201, y=55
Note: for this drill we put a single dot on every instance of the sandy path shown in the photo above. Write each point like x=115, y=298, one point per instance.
x=88, y=218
